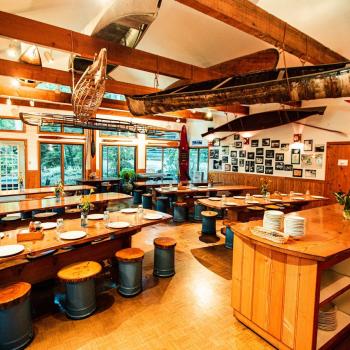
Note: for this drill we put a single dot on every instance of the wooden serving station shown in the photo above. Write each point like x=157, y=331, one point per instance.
x=277, y=289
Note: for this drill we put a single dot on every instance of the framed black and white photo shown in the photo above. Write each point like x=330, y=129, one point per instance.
x=279, y=157
x=275, y=144
x=214, y=153
x=227, y=167
x=295, y=156
x=308, y=145
x=233, y=154
x=259, y=160
x=268, y=162
x=270, y=153
x=265, y=142
x=285, y=147
x=241, y=163
x=238, y=144
x=297, y=172
x=235, y=168
x=251, y=155
x=217, y=164
x=242, y=154
x=234, y=161
x=259, y=151
x=288, y=167
x=279, y=166
x=269, y=170
x=319, y=148
x=310, y=173
x=255, y=143
x=251, y=166
x=260, y=169
x=216, y=142
x=225, y=150
x=225, y=159
x=246, y=168
x=236, y=137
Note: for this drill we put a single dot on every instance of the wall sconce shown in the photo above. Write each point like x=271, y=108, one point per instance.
x=246, y=140
x=297, y=138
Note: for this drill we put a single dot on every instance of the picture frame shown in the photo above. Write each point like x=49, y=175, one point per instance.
x=260, y=169
x=270, y=153
x=275, y=143
x=235, y=168
x=214, y=153
x=242, y=154
x=269, y=170
x=225, y=150
x=307, y=160
x=268, y=162
x=238, y=144
x=319, y=160
x=259, y=151
x=279, y=166
x=241, y=163
x=246, y=166
x=217, y=164
x=236, y=137
x=216, y=142
x=255, y=143
x=319, y=148
x=285, y=147
x=233, y=154
x=224, y=159
x=297, y=172
x=265, y=142
x=234, y=161
x=310, y=173
x=279, y=157
x=227, y=167
x=295, y=156
x=251, y=166
x=288, y=167
x=259, y=160
x=251, y=155
x=308, y=145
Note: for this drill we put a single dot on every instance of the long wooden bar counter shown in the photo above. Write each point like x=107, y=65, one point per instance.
x=277, y=289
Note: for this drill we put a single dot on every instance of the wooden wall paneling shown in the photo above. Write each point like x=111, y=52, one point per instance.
x=32, y=178
x=237, y=263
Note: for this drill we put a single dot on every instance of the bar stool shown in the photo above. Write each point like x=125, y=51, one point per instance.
x=130, y=271
x=198, y=209
x=105, y=187
x=229, y=237
x=162, y=204
x=180, y=212
x=80, y=288
x=16, y=329
x=208, y=234
x=147, y=201
x=137, y=196
x=164, y=257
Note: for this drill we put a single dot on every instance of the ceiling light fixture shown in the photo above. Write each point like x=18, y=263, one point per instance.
x=209, y=115
x=15, y=83
x=178, y=120
x=32, y=103
x=8, y=101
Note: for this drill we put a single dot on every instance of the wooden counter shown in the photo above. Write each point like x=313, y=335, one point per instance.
x=277, y=288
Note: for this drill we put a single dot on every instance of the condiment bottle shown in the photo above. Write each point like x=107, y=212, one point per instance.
x=31, y=227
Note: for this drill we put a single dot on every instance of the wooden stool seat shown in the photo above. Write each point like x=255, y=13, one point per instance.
x=79, y=272
x=164, y=242
x=256, y=208
x=72, y=210
x=13, y=294
x=209, y=213
x=180, y=204
x=147, y=195
x=130, y=254
x=44, y=215
x=273, y=207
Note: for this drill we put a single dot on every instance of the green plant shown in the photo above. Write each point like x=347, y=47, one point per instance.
x=59, y=189
x=343, y=199
x=127, y=175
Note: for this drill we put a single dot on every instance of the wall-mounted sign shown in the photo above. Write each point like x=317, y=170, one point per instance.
x=199, y=142
x=343, y=162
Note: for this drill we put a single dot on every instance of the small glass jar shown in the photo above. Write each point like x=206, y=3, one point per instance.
x=60, y=225
x=83, y=219
x=106, y=218
x=268, y=195
x=247, y=197
x=223, y=199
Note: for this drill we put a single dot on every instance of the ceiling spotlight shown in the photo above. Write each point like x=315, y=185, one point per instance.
x=15, y=83
x=49, y=56
x=178, y=120
x=8, y=101
x=32, y=103
x=209, y=115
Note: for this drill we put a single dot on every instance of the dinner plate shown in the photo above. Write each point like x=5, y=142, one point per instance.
x=299, y=198
x=95, y=216
x=275, y=200
x=258, y=195
x=253, y=202
x=239, y=197
x=118, y=224
x=298, y=194
x=153, y=216
x=11, y=249
x=72, y=234
x=39, y=255
x=214, y=199
x=231, y=203
x=129, y=210
x=1, y=235
x=48, y=225
x=317, y=197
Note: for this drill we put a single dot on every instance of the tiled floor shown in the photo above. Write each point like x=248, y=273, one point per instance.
x=188, y=311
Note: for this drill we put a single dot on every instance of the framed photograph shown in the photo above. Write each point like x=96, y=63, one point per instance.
x=285, y=147
x=319, y=160
x=260, y=169
x=297, y=172
x=295, y=156
x=251, y=166
x=275, y=144
x=259, y=160
x=227, y=167
x=279, y=157
x=270, y=153
x=225, y=159
x=268, y=162
x=242, y=154
x=307, y=160
x=288, y=167
x=251, y=155
x=238, y=144
x=225, y=150
x=308, y=145
x=216, y=142
x=279, y=166
x=255, y=143
x=310, y=173
x=319, y=148
x=217, y=164
x=214, y=153
x=234, y=161
x=246, y=168
x=269, y=170
x=241, y=163
x=233, y=154
x=265, y=142
x=236, y=137
x=259, y=151
x=235, y=168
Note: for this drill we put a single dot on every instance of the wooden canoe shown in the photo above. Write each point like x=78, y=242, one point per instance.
x=303, y=83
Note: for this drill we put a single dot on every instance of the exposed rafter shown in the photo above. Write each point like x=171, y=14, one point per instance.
x=254, y=20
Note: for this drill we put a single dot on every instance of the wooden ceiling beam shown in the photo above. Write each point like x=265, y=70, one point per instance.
x=55, y=76
x=234, y=108
x=31, y=31
x=252, y=19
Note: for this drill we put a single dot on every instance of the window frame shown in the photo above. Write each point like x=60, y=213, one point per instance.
x=39, y=131
x=162, y=147
x=199, y=148
x=165, y=139
x=13, y=118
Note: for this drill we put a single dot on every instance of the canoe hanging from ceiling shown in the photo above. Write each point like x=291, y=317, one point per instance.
x=303, y=83
x=266, y=120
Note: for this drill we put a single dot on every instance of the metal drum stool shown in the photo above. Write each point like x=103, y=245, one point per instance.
x=209, y=227
x=147, y=201
x=16, y=329
x=162, y=204
x=130, y=271
x=180, y=212
x=80, y=288
x=137, y=196
x=198, y=208
x=164, y=257
x=229, y=238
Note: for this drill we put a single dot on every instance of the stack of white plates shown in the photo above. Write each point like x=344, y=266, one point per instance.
x=273, y=219
x=294, y=225
x=327, y=318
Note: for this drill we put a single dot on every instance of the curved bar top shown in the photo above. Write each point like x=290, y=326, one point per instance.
x=327, y=235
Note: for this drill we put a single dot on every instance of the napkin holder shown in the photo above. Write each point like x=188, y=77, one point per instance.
x=31, y=236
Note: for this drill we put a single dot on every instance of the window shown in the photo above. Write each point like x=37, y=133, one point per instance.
x=117, y=133
x=162, y=160
x=61, y=162
x=198, y=164
x=117, y=158
x=58, y=128
x=10, y=124
x=165, y=135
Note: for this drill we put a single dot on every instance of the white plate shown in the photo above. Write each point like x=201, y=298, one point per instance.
x=153, y=216
x=1, y=235
x=24, y=231
x=239, y=197
x=298, y=198
x=12, y=249
x=258, y=195
x=231, y=203
x=48, y=225
x=298, y=194
x=95, y=216
x=214, y=199
x=129, y=210
x=253, y=202
x=72, y=235
x=275, y=200
x=118, y=224
x=318, y=197
x=13, y=215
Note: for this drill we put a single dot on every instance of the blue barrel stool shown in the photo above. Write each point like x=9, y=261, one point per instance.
x=164, y=257
x=180, y=212
x=208, y=234
x=162, y=204
x=147, y=201
x=198, y=209
x=16, y=329
x=228, y=238
x=130, y=271
x=137, y=196
x=80, y=288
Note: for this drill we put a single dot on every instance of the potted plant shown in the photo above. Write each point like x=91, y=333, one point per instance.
x=344, y=199
x=264, y=186
x=59, y=190
x=128, y=176
x=85, y=204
